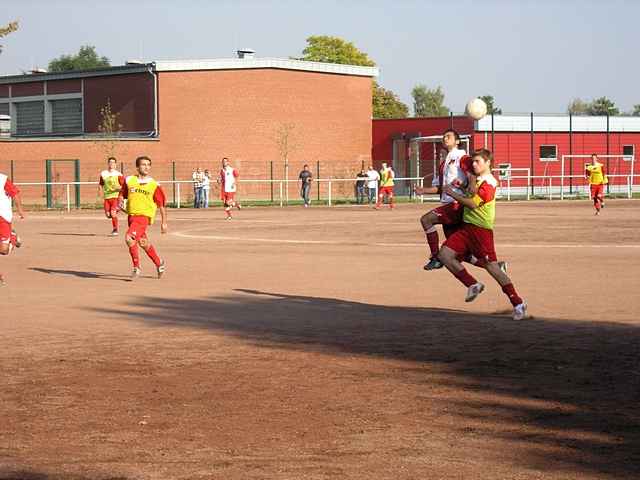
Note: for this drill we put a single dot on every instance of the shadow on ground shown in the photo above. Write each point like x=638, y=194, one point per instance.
x=81, y=274
x=556, y=385
x=31, y=475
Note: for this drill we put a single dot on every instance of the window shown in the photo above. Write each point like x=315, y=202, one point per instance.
x=66, y=116
x=548, y=153
x=29, y=118
x=629, y=151
x=5, y=120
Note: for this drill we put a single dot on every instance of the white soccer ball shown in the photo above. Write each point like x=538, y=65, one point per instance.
x=476, y=108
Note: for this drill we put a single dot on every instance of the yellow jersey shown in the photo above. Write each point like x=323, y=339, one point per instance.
x=143, y=197
x=596, y=174
x=110, y=181
x=386, y=177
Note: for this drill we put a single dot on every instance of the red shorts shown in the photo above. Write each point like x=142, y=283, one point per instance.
x=228, y=197
x=597, y=191
x=386, y=191
x=138, y=226
x=5, y=231
x=110, y=206
x=450, y=217
x=470, y=239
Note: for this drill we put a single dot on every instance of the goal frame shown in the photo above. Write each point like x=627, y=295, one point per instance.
x=625, y=158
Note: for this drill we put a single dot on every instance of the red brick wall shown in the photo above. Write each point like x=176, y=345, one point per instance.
x=210, y=114
x=27, y=89
x=64, y=86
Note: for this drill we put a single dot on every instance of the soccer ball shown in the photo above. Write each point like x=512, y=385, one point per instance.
x=476, y=108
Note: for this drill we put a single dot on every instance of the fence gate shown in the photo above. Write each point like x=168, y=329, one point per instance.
x=61, y=170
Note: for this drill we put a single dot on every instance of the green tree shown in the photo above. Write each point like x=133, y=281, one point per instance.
x=6, y=30
x=386, y=104
x=603, y=106
x=636, y=110
x=323, y=48
x=579, y=107
x=428, y=102
x=85, y=59
x=491, y=107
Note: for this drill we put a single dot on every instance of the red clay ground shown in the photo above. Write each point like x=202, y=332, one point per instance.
x=268, y=357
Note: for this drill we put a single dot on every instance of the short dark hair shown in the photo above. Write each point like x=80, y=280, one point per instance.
x=139, y=159
x=594, y=155
x=305, y=165
x=112, y=158
x=455, y=133
x=484, y=153
x=224, y=158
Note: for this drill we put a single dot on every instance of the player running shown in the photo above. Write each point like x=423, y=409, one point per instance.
x=228, y=180
x=110, y=181
x=144, y=196
x=386, y=185
x=475, y=235
x=597, y=180
x=455, y=172
x=8, y=237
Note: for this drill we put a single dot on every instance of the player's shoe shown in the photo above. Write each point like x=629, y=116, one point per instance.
x=433, y=264
x=2, y=282
x=114, y=233
x=503, y=266
x=473, y=291
x=520, y=311
x=161, y=269
x=137, y=273
x=229, y=217
x=18, y=239
x=238, y=206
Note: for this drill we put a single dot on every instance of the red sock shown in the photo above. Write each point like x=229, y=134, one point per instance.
x=135, y=255
x=510, y=291
x=13, y=239
x=390, y=201
x=434, y=242
x=114, y=221
x=466, y=279
x=228, y=211
x=153, y=255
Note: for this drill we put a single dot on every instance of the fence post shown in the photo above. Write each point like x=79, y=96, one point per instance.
x=280, y=186
x=68, y=197
x=509, y=188
x=173, y=171
x=271, y=178
x=550, y=188
x=329, y=188
x=318, y=178
x=528, y=184
x=178, y=191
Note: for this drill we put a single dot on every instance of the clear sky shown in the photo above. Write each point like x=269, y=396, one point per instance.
x=531, y=55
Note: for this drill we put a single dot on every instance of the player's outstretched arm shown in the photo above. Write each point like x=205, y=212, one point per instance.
x=426, y=190
x=17, y=201
x=164, y=228
x=466, y=201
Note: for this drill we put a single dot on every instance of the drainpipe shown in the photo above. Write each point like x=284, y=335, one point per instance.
x=151, y=67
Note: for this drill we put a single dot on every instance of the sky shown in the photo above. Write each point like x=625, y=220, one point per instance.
x=530, y=55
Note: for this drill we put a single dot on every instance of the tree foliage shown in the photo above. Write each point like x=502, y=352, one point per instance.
x=491, y=107
x=578, y=107
x=85, y=59
x=326, y=49
x=386, y=104
x=636, y=110
x=428, y=102
x=598, y=106
x=7, y=29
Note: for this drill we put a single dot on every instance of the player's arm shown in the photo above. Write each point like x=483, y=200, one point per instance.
x=461, y=199
x=124, y=193
x=160, y=199
x=14, y=193
x=427, y=190
x=17, y=201
x=100, y=184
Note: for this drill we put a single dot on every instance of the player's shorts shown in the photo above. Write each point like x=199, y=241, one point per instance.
x=474, y=240
x=597, y=191
x=137, y=226
x=450, y=217
x=228, y=197
x=110, y=206
x=386, y=191
x=5, y=231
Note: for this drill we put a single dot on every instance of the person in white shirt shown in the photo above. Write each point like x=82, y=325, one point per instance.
x=197, y=187
x=372, y=183
x=228, y=180
x=206, y=187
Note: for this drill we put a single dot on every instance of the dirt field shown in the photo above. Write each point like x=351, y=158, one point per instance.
x=310, y=344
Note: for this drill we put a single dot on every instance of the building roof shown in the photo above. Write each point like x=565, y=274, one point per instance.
x=195, y=65
x=557, y=123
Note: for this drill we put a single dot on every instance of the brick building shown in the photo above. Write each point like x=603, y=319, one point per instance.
x=185, y=114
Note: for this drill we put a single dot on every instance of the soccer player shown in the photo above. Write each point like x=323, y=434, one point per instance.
x=597, y=180
x=475, y=236
x=110, y=181
x=455, y=171
x=305, y=177
x=386, y=185
x=144, y=196
x=8, y=237
x=228, y=179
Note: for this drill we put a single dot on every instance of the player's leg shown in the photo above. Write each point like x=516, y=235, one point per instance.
x=112, y=205
x=429, y=221
x=153, y=255
x=391, y=197
x=449, y=257
x=131, y=239
x=519, y=305
x=8, y=238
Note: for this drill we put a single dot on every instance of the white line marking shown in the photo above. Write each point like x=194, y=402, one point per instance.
x=385, y=244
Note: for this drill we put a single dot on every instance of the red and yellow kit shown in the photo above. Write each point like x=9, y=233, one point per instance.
x=110, y=181
x=144, y=196
x=597, y=179
x=7, y=192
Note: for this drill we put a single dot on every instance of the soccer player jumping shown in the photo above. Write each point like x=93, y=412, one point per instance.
x=110, y=181
x=145, y=196
x=8, y=237
x=475, y=236
x=597, y=180
x=455, y=172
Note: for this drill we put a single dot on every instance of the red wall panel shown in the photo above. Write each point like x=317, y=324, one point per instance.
x=4, y=91
x=64, y=86
x=27, y=89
